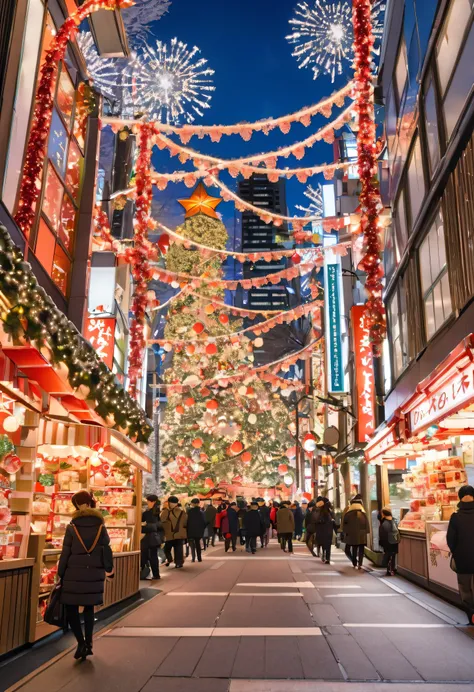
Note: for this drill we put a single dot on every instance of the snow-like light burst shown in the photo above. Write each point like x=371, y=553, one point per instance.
x=169, y=83
x=315, y=203
x=323, y=35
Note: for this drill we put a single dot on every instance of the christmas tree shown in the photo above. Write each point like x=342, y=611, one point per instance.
x=214, y=432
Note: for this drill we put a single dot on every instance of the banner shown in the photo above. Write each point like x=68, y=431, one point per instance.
x=364, y=367
x=100, y=332
x=333, y=331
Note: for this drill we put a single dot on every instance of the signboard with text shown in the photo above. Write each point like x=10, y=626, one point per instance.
x=100, y=332
x=333, y=330
x=364, y=368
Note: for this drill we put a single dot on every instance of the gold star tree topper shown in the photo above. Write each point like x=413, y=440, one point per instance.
x=200, y=202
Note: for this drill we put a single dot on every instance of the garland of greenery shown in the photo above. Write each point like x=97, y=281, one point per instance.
x=35, y=318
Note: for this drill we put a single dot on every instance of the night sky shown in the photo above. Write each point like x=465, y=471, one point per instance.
x=255, y=77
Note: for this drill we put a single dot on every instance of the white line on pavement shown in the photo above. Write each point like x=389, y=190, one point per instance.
x=393, y=625
x=280, y=585
x=362, y=595
x=214, y=632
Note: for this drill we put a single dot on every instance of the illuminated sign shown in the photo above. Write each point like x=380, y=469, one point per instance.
x=333, y=331
x=364, y=367
x=100, y=332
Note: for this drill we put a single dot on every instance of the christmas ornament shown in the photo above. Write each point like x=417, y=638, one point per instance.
x=197, y=443
x=200, y=202
x=309, y=442
x=212, y=405
x=11, y=424
x=11, y=463
x=236, y=447
x=282, y=468
x=198, y=327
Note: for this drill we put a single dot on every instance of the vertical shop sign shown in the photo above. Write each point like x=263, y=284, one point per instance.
x=336, y=368
x=364, y=367
x=100, y=332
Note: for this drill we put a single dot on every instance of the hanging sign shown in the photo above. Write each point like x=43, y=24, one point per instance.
x=336, y=367
x=364, y=367
x=100, y=332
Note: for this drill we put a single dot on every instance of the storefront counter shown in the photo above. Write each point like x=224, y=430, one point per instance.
x=413, y=556
x=126, y=582
x=15, y=586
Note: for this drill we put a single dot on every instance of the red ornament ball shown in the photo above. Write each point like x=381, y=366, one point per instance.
x=189, y=402
x=223, y=318
x=212, y=405
x=211, y=349
x=180, y=409
x=246, y=457
x=236, y=447
x=198, y=327
x=282, y=468
x=197, y=443
x=296, y=258
x=209, y=483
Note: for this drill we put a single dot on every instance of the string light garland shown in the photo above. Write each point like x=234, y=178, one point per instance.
x=30, y=186
x=367, y=153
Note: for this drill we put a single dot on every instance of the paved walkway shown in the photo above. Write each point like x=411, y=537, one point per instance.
x=237, y=622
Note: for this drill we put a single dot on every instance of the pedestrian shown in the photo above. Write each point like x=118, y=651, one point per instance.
x=265, y=514
x=195, y=529
x=285, y=526
x=86, y=560
x=230, y=527
x=205, y=535
x=211, y=512
x=299, y=518
x=389, y=538
x=174, y=520
x=355, y=527
x=310, y=527
x=242, y=511
x=460, y=538
x=273, y=515
x=153, y=536
x=324, y=527
x=253, y=526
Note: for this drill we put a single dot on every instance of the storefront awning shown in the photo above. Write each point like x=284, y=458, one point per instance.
x=449, y=388
x=384, y=440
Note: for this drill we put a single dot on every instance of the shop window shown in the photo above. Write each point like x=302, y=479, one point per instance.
x=461, y=85
x=65, y=96
x=434, y=278
x=401, y=71
x=74, y=169
x=68, y=220
x=53, y=195
x=398, y=328
x=416, y=181
x=401, y=223
x=45, y=244
x=391, y=258
x=431, y=127
x=391, y=119
x=57, y=146
x=451, y=38
x=61, y=269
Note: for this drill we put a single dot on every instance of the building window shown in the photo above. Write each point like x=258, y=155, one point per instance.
x=401, y=223
x=416, y=181
x=434, y=278
x=451, y=39
x=398, y=327
x=401, y=71
x=461, y=85
x=431, y=126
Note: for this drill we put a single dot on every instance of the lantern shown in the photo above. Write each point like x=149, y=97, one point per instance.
x=309, y=442
x=212, y=405
x=236, y=447
x=198, y=327
x=197, y=443
x=282, y=468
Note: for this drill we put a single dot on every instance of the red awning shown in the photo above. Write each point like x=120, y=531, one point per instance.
x=385, y=438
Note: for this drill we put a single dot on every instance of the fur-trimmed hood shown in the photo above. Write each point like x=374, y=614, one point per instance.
x=354, y=506
x=88, y=512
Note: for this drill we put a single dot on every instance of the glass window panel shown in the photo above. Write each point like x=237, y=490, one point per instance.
x=401, y=71
x=79, y=120
x=61, y=269
x=74, y=168
x=53, y=195
x=425, y=265
x=447, y=305
x=431, y=124
x=403, y=322
x=45, y=243
x=401, y=223
x=461, y=85
x=429, y=316
x=57, y=147
x=438, y=306
x=65, y=96
x=66, y=226
x=451, y=39
x=391, y=119
x=434, y=254
x=416, y=182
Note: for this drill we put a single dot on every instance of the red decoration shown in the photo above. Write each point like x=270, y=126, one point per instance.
x=367, y=148
x=189, y=402
x=197, y=443
x=307, y=496
x=11, y=463
x=212, y=405
x=190, y=349
x=282, y=468
x=246, y=457
x=296, y=258
x=223, y=318
x=236, y=447
x=211, y=349
x=309, y=442
x=164, y=243
x=209, y=483
x=180, y=409
x=198, y=327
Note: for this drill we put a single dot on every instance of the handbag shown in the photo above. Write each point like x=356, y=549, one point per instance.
x=145, y=572
x=452, y=564
x=55, y=613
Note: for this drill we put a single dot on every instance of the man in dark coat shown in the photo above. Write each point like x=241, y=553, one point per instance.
x=265, y=514
x=324, y=527
x=355, y=526
x=460, y=539
x=211, y=513
x=153, y=536
x=299, y=518
x=230, y=527
x=195, y=529
x=86, y=558
x=253, y=526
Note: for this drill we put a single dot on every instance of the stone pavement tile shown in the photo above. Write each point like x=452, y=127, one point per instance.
x=398, y=610
x=324, y=615
x=309, y=686
x=185, y=685
x=253, y=611
x=317, y=659
x=355, y=663
x=183, y=658
x=163, y=611
x=250, y=659
x=444, y=654
x=456, y=614
x=117, y=664
x=312, y=596
x=386, y=658
x=218, y=658
x=282, y=658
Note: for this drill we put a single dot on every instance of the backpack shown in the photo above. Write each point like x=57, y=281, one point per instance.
x=393, y=535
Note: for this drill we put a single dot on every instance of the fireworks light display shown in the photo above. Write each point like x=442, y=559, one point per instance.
x=169, y=82
x=315, y=201
x=323, y=36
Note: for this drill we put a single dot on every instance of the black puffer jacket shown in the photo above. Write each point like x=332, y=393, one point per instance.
x=253, y=523
x=196, y=523
x=83, y=573
x=154, y=533
x=460, y=537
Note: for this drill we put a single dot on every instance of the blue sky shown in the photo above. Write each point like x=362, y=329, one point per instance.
x=255, y=77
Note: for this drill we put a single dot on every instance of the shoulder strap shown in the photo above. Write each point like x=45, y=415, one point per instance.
x=96, y=539
x=176, y=528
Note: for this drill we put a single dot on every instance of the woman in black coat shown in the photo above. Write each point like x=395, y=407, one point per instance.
x=195, y=529
x=86, y=559
x=152, y=528
x=388, y=531
x=324, y=526
x=299, y=519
